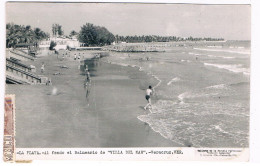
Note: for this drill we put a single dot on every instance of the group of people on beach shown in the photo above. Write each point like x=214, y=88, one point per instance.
x=143, y=59
x=67, y=53
x=78, y=56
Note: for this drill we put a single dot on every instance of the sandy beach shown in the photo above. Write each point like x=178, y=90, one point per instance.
x=61, y=115
x=201, y=99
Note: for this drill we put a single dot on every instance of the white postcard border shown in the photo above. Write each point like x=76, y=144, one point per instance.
x=255, y=79
x=164, y=153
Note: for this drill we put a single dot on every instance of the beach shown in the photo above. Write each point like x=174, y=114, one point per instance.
x=202, y=95
x=61, y=115
x=201, y=99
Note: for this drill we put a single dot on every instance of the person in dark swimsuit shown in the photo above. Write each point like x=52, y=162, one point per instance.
x=148, y=94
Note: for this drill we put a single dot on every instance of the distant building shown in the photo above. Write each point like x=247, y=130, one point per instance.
x=62, y=43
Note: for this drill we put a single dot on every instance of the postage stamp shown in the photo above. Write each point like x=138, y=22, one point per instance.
x=9, y=129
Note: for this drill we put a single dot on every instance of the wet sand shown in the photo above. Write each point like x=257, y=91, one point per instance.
x=61, y=116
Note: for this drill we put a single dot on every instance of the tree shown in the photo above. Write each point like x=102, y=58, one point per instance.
x=60, y=31
x=54, y=30
x=57, y=30
x=93, y=35
x=39, y=34
x=52, y=45
x=153, y=38
x=22, y=34
x=73, y=33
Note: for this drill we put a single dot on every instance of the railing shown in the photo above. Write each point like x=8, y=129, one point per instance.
x=15, y=80
x=18, y=64
x=24, y=56
x=22, y=51
x=22, y=71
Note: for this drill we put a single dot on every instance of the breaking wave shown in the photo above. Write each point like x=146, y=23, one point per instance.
x=175, y=79
x=229, y=51
x=233, y=68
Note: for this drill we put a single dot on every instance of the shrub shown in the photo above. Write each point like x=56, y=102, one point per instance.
x=52, y=45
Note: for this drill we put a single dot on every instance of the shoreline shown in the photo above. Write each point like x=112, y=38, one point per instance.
x=156, y=100
x=113, y=114
x=101, y=118
x=137, y=68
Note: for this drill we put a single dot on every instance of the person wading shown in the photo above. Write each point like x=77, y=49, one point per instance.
x=149, y=92
x=42, y=67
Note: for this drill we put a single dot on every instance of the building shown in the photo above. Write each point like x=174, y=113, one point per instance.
x=62, y=43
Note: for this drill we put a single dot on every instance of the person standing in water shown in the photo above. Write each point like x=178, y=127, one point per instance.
x=87, y=85
x=149, y=92
x=88, y=75
x=42, y=67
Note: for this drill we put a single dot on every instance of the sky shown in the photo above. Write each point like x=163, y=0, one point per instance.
x=231, y=22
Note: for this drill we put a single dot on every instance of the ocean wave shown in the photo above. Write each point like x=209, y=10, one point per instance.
x=192, y=125
x=219, y=86
x=246, y=73
x=233, y=68
x=214, y=46
x=175, y=79
x=195, y=94
x=182, y=96
x=217, y=127
x=229, y=51
x=123, y=64
x=192, y=53
x=224, y=57
x=159, y=81
x=160, y=127
x=183, y=60
x=195, y=122
x=237, y=47
x=195, y=131
x=212, y=91
x=239, y=84
x=140, y=69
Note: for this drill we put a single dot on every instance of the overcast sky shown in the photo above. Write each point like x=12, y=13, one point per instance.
x=227, y=21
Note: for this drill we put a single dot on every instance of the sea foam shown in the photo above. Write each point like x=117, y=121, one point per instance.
x=175, y=79
x=233, y=68
x=219, y=56
x=221, y=50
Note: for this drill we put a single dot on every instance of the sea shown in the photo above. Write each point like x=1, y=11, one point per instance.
x=202, y=91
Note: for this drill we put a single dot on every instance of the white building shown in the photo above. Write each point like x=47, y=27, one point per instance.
x=62, y=43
